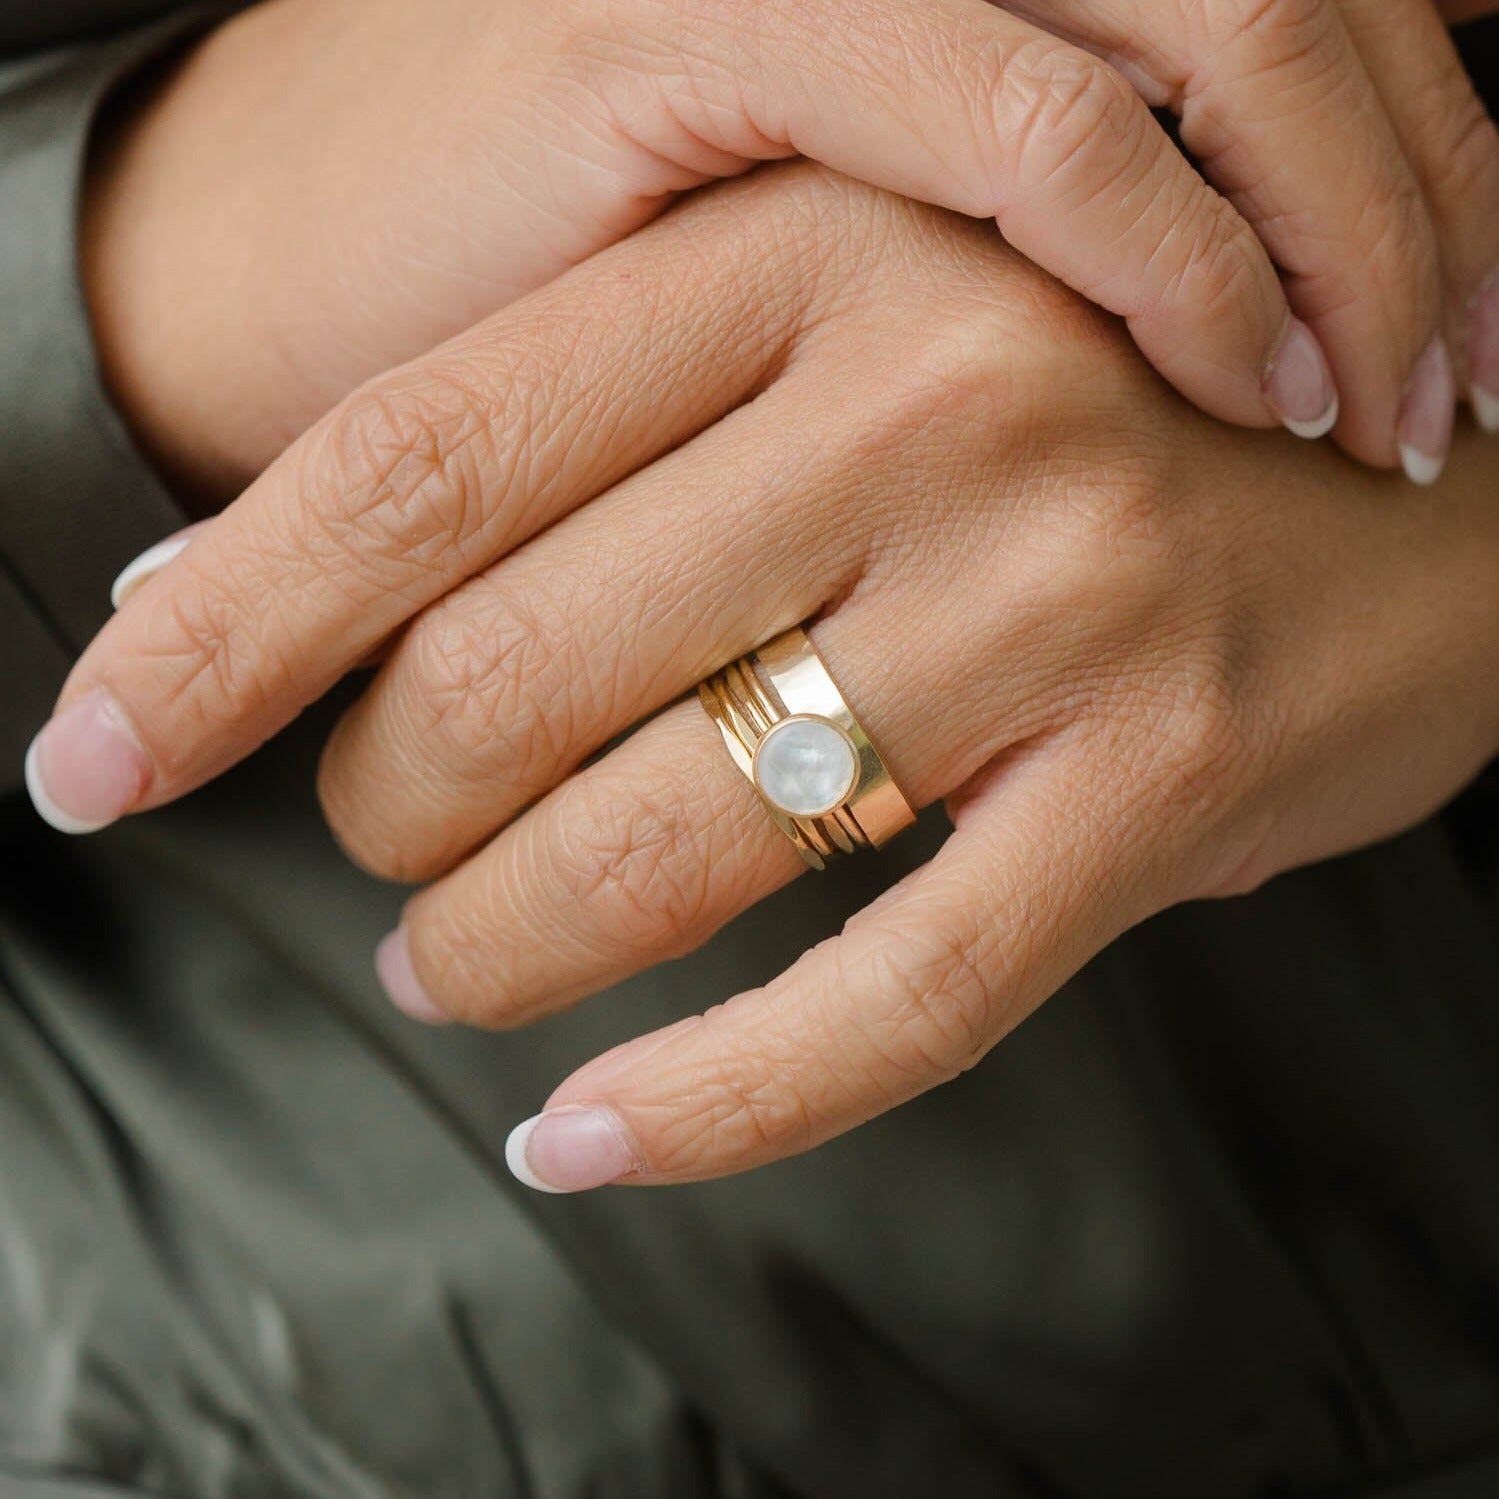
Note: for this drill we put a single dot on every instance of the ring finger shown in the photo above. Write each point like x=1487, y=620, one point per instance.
x=642, y=855
x=505, y=686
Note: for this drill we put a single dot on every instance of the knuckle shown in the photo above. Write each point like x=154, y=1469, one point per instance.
x=485, y=691
x=629, y=858
x=1278, y=33
x=400, y=472
x=1203, y=739
x=943, y=1013
x=1121, y=554
x=976, y=361
x=953, y=370
x=216, y=657
x=466, y=700
x=1061, y=109
x=1397, y=282
x=1218, y=263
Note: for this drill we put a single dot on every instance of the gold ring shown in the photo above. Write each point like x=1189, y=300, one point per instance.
x=797, y=741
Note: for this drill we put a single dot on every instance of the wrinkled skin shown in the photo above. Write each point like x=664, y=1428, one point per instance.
x=1145, y=658
x=271, y=228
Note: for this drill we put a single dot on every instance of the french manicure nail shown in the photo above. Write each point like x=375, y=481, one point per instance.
x=149, y=563
x=398, y=978
x=1298, y=383
x=1426, y=415
x=570, y=1149
x=86, y=767
x=1483, y=378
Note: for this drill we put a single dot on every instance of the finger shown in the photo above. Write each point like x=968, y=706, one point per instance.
x=504, y=687
x=958, y=103
x=1453, y=146
x=418, y=480
x=1346, y=222
x=1255, y=86
x=918, y=988
x=646, y=852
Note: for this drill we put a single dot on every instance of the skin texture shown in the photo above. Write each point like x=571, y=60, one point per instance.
x=1143, y=657
x=271, y=230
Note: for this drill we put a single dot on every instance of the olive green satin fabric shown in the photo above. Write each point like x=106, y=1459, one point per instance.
x=1221, y=1222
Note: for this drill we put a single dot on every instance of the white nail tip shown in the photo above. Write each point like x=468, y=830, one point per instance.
x=1485, y=408
x=1420, y=468
x=145, y=567
x=46, y=808
x=1318, y=426
x=518, y=1161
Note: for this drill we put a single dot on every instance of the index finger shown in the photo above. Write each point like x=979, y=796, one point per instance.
x=418, y=480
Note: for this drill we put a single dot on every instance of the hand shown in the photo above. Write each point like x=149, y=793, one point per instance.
x=327, y=188
x=1144, y=657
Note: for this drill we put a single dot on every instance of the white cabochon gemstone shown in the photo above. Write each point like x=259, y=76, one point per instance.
x=806, y=766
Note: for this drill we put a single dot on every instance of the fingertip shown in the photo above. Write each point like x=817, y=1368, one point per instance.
x=46, y=808
x=517, y=1156
x=1298, y=383
x=1427, y=413
x=86, y=768
x=398, y=978
x=573, y=1148
x=1318, y=428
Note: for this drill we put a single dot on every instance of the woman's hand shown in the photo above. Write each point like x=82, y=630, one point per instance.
x=1143, y=657
x=327, y=188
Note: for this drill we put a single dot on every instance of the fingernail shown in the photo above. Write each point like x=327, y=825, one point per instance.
x=1298, y=383
x=87, y=768
x=1426, y=415
x=149, y=563
x=570, y=1149
x=398, y=978
x=1483, y=377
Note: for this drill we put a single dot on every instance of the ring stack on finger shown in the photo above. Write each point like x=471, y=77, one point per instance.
x=790, y=731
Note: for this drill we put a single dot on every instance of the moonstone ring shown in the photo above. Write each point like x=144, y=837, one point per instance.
x=791, y=733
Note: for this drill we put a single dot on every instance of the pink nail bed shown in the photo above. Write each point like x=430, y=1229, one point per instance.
x=1299, y=384
x=1427, y=414
x=86, y=768
x=398, y=979
x=570, y=1149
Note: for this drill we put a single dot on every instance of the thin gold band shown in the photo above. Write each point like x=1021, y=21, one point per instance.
x=786, y=679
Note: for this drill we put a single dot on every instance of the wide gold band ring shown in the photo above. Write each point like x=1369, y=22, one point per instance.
x=791, y=733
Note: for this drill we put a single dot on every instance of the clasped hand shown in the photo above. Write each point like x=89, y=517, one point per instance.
x=1142, y=656
x=1145, y=658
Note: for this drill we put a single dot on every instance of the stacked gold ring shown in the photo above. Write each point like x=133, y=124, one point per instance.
x=794, y=737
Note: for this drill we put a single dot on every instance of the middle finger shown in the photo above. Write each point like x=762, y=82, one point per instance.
x=645, y=853
x=510, y=682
